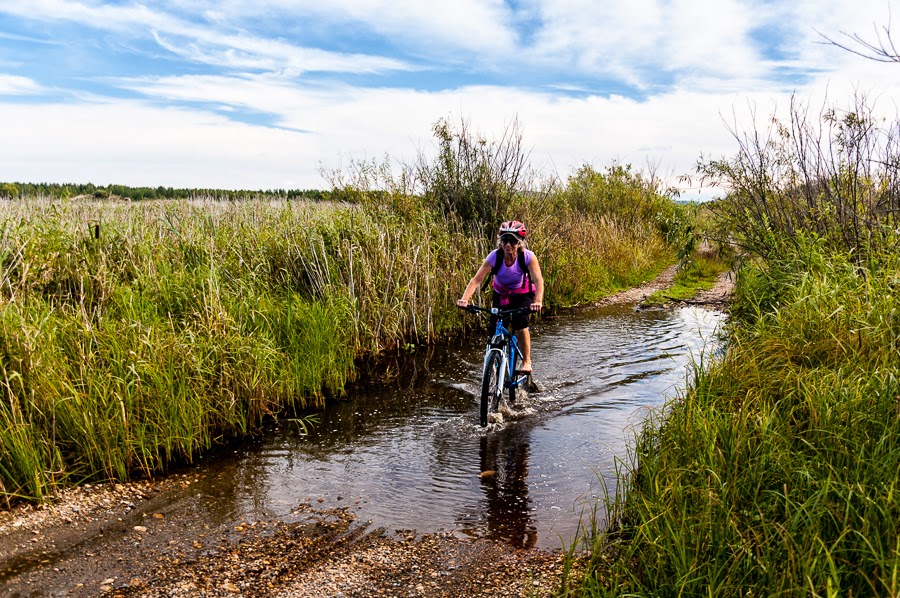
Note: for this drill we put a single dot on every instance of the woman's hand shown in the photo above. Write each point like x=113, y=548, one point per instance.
x=536, y=306
x=462, y=303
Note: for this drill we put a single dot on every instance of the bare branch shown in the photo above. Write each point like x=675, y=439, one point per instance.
x=883, y=49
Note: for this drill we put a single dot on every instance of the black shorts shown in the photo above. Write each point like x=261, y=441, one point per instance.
x=519, y=321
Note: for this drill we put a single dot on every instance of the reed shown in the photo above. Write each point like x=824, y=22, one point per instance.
x=162, y=335
x=134, y=335
x=585, y=259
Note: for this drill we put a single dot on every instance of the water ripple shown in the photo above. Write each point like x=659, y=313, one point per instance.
x=411, y=455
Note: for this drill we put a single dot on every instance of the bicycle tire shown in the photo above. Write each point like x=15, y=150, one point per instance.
x=514, y=360
x=490, y=391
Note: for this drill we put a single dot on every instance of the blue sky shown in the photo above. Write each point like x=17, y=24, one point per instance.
x=260, y=95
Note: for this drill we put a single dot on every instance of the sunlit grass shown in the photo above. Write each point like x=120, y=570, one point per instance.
x=776, y=473
x=137, y=335
x=699, y=275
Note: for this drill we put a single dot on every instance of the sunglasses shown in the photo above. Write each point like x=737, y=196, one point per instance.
x=510, y=240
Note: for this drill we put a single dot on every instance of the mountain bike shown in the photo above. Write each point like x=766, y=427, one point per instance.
x=502, y=358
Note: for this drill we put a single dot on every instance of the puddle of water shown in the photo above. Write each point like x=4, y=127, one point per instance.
x=410, y=455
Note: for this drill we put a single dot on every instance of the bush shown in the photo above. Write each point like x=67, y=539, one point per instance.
x=834, y=177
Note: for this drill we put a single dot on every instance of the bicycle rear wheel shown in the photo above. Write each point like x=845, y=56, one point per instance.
x=490, y=387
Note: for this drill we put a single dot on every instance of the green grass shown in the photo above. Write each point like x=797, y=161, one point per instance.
x=699, y=275
x=776, y=473
x=137, y=335
x=584, y=260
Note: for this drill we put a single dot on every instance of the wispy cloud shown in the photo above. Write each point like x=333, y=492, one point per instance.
x=201, y=42
x=644, y=42
x=26, y=38
x=258, y=92
x=430, y=28
x=16, y=85
x=239, y=52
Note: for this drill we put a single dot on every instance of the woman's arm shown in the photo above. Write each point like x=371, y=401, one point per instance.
x=538, y=279
x=474, y=284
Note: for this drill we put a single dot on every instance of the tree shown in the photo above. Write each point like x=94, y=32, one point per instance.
x=473, y=179
x=9, y=190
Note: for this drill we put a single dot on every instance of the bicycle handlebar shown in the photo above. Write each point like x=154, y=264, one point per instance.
x=496, y=311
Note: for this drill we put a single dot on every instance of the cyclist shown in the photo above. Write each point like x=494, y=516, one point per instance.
x=517, y=281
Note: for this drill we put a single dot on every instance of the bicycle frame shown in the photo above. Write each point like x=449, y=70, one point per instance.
x=506, y=344
x=500, y=358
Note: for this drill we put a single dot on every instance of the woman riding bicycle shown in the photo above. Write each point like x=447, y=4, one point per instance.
x=517, y=282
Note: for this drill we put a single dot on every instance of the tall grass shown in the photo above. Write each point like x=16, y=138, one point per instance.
x=174, y=327
x=133, y=335
x=775, y=474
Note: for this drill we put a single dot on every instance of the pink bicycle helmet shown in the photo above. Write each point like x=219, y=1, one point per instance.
x=515, y=228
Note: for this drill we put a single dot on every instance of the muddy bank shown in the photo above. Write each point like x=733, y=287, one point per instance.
x=113, y=539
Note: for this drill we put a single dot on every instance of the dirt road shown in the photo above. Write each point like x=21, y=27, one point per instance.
x=143, y=539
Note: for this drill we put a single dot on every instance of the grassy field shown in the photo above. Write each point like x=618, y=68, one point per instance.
x=134, y=335
x=777, y=472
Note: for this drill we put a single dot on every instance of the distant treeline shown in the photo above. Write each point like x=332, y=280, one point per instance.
x=58, y=190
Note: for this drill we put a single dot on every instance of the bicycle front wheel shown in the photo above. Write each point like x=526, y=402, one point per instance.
x=490, y=387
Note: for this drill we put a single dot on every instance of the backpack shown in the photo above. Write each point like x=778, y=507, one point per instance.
x=498, y=260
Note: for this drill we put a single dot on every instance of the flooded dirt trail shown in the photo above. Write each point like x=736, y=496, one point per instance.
x=396, y=490
x=412, y=456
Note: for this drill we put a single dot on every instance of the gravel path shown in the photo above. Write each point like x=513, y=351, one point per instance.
x=112, y=539
x=637, y=294
x=128, y=540
x=716, y=297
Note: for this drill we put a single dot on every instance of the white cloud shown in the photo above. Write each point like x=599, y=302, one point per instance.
x=135, y=144
x=17, y=85
x=638, y=41
x=139, y=144
x=481, y=26
x=711, y=57
x=725, y=48
x=203, y=44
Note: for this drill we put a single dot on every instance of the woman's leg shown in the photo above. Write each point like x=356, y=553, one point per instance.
x=524, y=337
x=523, y=334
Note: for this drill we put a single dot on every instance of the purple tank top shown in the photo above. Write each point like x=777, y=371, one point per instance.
x=508, y=280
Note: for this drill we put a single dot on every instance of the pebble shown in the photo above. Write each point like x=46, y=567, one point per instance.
x=330, y=554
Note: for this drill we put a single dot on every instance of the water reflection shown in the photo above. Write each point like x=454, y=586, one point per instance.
x=504, y=481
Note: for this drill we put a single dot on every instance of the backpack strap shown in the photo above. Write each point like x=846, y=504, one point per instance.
x=494, y=268
x=526, y=278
